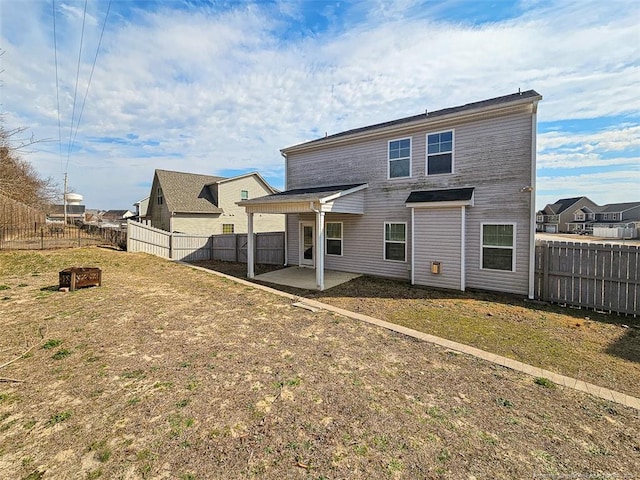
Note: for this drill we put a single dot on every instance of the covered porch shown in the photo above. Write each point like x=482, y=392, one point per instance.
x=344, y=199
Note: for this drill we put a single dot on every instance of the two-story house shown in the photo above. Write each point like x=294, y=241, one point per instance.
x=420, y=198
x=623, y=216
x=580, y=214
x=566, y=215
x=206, y=204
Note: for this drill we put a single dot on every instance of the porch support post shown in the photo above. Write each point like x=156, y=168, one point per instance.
x=320, y=250
x=250, y=246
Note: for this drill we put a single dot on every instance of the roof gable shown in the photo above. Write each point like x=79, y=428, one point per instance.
x=189, y=192
x=257, y=176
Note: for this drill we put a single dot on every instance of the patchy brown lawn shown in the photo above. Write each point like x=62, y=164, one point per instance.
x=597, y=348
x=169, y=372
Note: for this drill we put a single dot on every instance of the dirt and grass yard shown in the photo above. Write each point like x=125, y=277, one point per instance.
x=170, y=372
x=603, y=349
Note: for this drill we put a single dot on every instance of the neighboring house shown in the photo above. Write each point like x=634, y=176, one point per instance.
x=141, y=211
x=566, y=215
x=205, y=204
x=579, y=214
x=421, y=198
x=55, y=213
x=623, y=216
x=116, y=216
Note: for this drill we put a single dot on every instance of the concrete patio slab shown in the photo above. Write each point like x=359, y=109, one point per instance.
x=301, y=277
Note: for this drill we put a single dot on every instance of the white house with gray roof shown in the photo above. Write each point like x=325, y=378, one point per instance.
x=421, y=198
x=207, y=205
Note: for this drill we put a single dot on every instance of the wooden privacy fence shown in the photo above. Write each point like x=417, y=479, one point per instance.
x=228, y=247
x=598, y=276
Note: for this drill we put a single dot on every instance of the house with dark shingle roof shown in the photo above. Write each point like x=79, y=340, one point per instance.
x=579, y=214
x=206, y=204
x=566, y=215
x=115, y=218
x=421, y=198
x=622, y=216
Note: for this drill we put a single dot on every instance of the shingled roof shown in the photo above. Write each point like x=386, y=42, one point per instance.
x=189, y=192
x=619, y=207
x=530, y=95
x=562, y=204
x=303, y=194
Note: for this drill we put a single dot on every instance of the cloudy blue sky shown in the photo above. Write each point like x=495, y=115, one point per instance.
x=218, y=87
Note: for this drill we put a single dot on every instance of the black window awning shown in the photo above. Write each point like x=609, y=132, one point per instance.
x=446, y=195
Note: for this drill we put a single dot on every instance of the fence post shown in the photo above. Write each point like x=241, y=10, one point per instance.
x=237, y=249
x=546, y=264
x=41, y=238
x=79, y=237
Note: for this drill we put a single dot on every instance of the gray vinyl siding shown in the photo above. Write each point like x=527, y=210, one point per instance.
x=352, y=203
x=438, y=238
x=198, y=223
x=492, y=154
x=229, y=193
x=159, y=214
x=632, y=214
x=500, y=156
x=293, y=235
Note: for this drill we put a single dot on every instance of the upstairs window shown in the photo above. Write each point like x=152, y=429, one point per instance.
x=244, y=195
x=498, y=245
x=160, y=196
x=400, y=158
x=440, y=153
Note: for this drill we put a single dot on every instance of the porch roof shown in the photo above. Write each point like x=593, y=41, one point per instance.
x=330, y=198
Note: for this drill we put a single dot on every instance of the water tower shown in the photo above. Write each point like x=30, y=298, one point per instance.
x=73, y=198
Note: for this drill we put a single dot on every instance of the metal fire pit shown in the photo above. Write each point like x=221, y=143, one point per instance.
x=78, y=277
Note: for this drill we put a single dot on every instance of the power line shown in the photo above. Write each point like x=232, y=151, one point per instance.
x=55, y=56
x=75, y=92
x=95, y=59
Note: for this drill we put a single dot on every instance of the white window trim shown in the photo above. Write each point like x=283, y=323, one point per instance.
x=384, y=242
x=389, y=177
x=327, y=238
x=513, y=247
x=453, y=152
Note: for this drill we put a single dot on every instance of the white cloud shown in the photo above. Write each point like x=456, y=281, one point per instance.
x=225, y=90
x=602, y=188
x=582, y=150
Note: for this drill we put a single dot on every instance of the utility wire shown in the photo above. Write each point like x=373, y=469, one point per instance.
x=55, y=57
x=95, y=59
x=75, y=93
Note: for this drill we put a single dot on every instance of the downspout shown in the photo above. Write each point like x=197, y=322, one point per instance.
x=463, y=248
x=413, y=245
x=286, y=216
x=532, y=207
